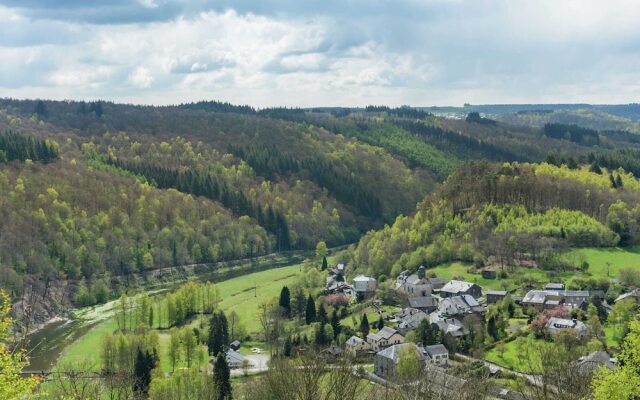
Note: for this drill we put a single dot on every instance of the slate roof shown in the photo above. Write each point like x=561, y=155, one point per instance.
x=456, y=286
x=354, y=341
x=458, y=305
x=596, y=360
x=422, y=302
x=234, y=357
x=435, y=350
x=393, y=352
x=554, y=286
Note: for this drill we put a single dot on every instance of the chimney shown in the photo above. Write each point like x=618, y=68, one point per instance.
x=421, y=272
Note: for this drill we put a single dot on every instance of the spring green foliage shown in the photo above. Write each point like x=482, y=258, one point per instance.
x=502, y=211
x=624, y=382
x=12, y=384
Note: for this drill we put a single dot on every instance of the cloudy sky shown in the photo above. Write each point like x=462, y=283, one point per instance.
x=321, y=53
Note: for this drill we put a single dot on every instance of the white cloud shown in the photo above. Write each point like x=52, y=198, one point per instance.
x=278, y=52
x=141, y=78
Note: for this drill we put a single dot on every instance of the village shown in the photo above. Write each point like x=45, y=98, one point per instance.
x=449, y=325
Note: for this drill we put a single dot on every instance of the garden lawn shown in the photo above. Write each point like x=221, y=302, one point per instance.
x=515, y=355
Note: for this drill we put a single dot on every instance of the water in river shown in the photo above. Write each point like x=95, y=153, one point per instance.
x=46, y=345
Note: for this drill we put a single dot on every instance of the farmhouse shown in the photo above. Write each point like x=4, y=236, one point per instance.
x=559, y=287
x=437, y=283
x=634, y=295
x=594, y=361
x=384, y=338
x=458, y=288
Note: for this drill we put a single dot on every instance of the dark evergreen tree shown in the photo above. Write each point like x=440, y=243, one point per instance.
x=322, y=314
x=287, y=347
x=144, y=364
x=364, y=325
x=380, y=323
x=285, y=302
x=335, y=323
x=618, y=181
x=310, y=314
x=299, y=302
x=41, y=109
x=324, y=263
x=222, y=378
x=218, y=338
x=320, y=336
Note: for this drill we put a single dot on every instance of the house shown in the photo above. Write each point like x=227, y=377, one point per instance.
x=451, y=328
x=427, y=304
x=542, y=299
x=417, y=284
x=437, y=354
x=634, y=295
x=458, y=288
x=341, y=268
x=489, y=273
x=364, y=285
x=409, y=319
x=234, y=359
x=355, y=345
x=559, y=287
x=335, y=287
x=235, y=345
x=459, y=306
x=436, y=283
x=386, y=337
x=555, y=325
x=576, y=298
x=386, y=361
x=594, y=361
x=494, y=296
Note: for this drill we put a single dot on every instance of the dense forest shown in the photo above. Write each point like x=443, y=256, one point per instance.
x=508, y=212
x=100, y=189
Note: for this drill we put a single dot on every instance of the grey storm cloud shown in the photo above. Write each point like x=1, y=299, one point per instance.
x=322, y=52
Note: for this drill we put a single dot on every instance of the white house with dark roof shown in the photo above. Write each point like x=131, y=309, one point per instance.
x=458, y=288
x=556, y=325
x=386, y=337
x=437, y=354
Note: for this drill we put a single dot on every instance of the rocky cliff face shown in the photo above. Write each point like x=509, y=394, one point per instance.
x=42, y=300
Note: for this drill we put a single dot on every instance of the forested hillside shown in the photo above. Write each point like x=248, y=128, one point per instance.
x=99, y=189
x=508, y=212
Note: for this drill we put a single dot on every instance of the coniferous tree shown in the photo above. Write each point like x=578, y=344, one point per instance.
x=322, y=314
x=285, y=301
x=324, y=263
x=310, y=314
x=218, y=334
x=618, y=181
x=364, y=325
x=287, y=347
x=222, y=378
x=41, y=109
x=335, y=323
x=380, y=323
x=144, y=364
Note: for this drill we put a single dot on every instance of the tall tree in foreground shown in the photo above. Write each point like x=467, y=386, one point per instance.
x=285, y=302
x=145, y=363
x=221, y=377
x=624, y=382
x=12, y=384
x=218, y=334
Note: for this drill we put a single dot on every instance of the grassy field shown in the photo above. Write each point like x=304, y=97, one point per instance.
x=242, y=294
x=607, y=262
